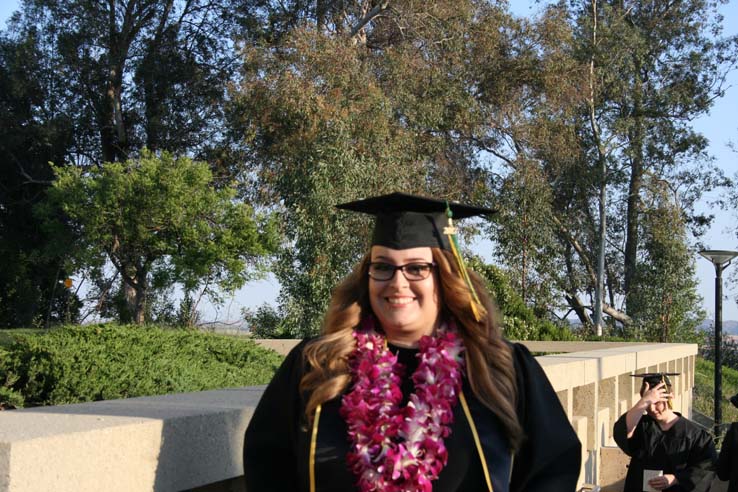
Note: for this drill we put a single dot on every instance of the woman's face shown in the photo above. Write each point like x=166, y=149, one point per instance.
x=659, y=411
x=406, y=309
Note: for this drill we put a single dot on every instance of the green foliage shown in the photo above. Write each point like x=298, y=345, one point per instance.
x=728, y=352
x=9, y=398
x=321, y=131
x=156, y=76
x=328, y=117
x=526, y=233
x=452, y=98
x=609, y=108
x=31, y=259
x=664, y=305
x=7, y=337
x=102, y=362
x=84, y=82
x=266, y=322
x=519, y=321
x=703, y=396
x=161, y=221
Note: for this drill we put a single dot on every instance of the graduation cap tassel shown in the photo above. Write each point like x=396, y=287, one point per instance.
x=669, y=403
x=450, y=231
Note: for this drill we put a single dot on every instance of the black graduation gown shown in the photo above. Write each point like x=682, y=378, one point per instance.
x=277, y=441
x=727, y=465
x=685, y=450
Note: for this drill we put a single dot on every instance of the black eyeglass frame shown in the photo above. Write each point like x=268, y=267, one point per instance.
x=431, y=265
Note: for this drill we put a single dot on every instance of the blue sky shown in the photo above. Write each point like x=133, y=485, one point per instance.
x=720, y=126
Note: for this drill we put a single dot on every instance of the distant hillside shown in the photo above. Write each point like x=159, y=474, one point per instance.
x=729, y=326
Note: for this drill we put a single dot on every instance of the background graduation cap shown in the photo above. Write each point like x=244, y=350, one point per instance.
x=654, y=378
x=404, y=221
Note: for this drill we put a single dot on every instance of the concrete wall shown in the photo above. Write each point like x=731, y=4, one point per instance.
x=595, y=388
x=194, y=441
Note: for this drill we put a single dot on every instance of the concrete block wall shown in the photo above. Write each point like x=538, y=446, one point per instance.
x=603, y=389
x=194, y=441
x=165, y=443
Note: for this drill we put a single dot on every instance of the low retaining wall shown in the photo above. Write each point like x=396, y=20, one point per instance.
x=194, y=441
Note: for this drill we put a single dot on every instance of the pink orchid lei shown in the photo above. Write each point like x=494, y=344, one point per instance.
x=401, y=449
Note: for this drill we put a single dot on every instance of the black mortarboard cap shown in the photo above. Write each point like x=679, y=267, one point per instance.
x=406, y=221
x=654, y=378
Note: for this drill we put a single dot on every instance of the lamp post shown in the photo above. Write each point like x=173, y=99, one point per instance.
x=721, y=260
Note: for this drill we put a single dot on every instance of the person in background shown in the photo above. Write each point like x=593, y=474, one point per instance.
x=727, y=465
x=411, y=386
x=675, y=453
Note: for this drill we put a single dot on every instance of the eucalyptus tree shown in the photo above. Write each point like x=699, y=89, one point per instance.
x=664, y=295
x=670, y=67
x=662, y=65
x=606, y=108
x=362, y=98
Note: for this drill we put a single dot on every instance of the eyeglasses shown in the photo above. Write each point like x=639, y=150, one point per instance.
x=412, y=271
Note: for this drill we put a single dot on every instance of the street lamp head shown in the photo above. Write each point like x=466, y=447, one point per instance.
x=719, y=257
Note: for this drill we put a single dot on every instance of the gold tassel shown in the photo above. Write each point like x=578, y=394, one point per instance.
x=450, y=231
x=669, y=403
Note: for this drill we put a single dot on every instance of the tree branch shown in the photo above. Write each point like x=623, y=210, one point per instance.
x=378, y=9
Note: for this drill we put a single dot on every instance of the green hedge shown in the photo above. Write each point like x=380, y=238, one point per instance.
x=103, y=362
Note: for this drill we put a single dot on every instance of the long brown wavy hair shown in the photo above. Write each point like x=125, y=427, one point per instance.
x=489, y=360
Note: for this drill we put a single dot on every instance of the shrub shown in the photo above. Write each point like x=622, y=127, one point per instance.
x=703, y=395
x=519, y=321
x=102, y=362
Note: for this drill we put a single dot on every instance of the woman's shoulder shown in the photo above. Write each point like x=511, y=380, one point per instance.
x=299, y=348
x=521, y=354
x=293, y=364
x=530, y=377
x=687, y=430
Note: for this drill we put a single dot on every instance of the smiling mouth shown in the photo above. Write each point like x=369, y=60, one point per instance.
x=399, y=301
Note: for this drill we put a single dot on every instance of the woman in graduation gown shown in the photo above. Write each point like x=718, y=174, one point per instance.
x=657, y=438
x=410, y=386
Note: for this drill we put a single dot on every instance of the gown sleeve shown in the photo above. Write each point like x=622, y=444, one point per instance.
x=620, y=434
x=549, y=458
x=725, y=460
x=270, y=443
x=698, y=474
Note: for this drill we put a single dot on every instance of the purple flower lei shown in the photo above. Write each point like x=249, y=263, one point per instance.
x=397, y=449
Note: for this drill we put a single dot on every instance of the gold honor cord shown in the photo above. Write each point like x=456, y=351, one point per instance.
x=478, y=443
x=313, y=444
x=450, y=231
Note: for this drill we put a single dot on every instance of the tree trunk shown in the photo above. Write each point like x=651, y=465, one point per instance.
x=129, y=316
x=616, y=314
x=139, y=313
x=634, y=202
x=602, y=174
x=601, y=239
x=524, y=276
x=151, y=73
x=136, y=297
x=579, y=309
